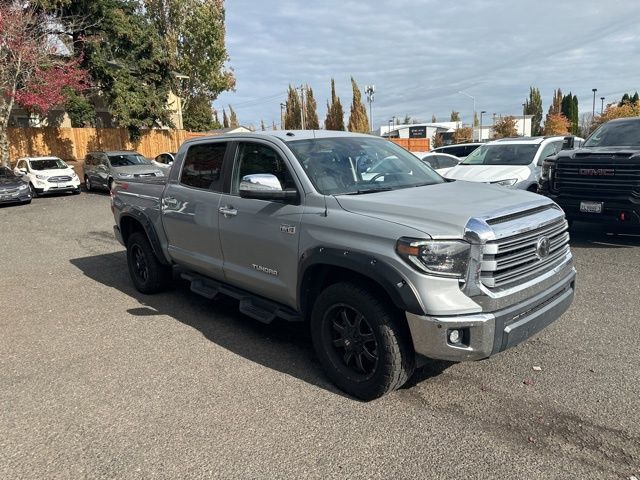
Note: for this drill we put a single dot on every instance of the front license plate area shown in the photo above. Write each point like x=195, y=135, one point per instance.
x=591, y=207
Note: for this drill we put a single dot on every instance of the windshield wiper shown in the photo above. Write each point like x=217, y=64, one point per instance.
x=361, y=191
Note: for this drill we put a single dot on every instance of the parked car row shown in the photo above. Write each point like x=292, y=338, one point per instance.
x=36, y=176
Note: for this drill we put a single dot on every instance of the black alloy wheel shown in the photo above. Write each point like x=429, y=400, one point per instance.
x=353, y=339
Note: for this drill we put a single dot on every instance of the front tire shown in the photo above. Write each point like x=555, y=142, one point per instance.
x=361, y=341
x=87, y=183
x=147, y=273
x=34, y=192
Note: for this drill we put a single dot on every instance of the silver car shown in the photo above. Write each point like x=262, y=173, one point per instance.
x=102, y=168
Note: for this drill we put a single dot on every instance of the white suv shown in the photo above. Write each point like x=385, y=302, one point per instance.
x=47, y=175
x=511, y=162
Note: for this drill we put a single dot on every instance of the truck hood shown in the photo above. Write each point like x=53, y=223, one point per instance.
x=620, y=152
x=488, y=173
x=440, y=210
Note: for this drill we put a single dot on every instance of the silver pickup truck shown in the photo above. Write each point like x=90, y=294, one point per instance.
x=389, y=263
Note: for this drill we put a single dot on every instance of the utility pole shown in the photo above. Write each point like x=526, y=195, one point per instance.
x=473, y=118
x=302, y=106
x=394, y=121
x=524, y=118
x=602, y=105
x=282, y=110
x=370, y=90
x=482, y=112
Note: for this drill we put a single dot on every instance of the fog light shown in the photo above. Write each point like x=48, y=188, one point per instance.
x=455, y=336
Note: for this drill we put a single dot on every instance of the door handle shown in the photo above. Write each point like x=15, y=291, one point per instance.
x=228, y=211
x=170, y=201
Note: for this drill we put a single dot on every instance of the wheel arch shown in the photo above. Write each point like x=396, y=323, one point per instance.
x=133, y=220
x=322, y=267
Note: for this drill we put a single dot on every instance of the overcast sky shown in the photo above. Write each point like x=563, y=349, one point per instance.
x=420, y=53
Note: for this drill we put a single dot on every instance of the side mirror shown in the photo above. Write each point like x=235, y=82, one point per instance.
x=23, y=171
x=265, y=186
x=567, y=143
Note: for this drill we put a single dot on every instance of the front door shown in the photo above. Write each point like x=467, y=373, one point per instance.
x=190, y=209
x=260, y=237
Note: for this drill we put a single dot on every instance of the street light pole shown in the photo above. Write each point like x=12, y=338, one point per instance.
x=473, y=119
x=480, y=135
x=524, y=118
x=602, y=105
x=370, y=90
x=593, y=111
x=282, y=107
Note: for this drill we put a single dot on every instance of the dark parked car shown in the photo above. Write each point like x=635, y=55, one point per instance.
x=12, y=188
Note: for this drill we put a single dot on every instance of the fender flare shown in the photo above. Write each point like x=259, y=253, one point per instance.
x=399, y=289
x=149, y=229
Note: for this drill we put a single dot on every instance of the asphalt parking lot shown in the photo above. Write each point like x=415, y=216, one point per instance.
x=99, y=381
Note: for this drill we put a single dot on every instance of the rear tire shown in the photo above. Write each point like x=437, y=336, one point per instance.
x=361, y=341
x=87, y=184
x=147, y=273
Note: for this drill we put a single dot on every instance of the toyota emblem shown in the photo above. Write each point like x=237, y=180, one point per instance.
x=542, y=248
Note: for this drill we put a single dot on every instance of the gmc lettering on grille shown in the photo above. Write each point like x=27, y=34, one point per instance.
x=597, y=172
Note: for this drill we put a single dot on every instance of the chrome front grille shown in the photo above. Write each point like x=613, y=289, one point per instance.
x=515, y=259
x=62, y=178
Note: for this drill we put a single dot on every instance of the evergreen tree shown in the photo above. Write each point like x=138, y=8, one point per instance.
x=570, y=111
x=262, y=126
x=625, y=100
x=476, y=121
x=273, y=125
x=433, y=118
x=198, y=115
x=311, y=121
x=533, y=107
x=225, y=119
x=233, y=118
x=635, y=98
x=455, y=116
x=335, y=112
x=292, y=114
x=358, y=121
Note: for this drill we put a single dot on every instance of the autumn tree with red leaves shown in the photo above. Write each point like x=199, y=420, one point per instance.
x=33, y=74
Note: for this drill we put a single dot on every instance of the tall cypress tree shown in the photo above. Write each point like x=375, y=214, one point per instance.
x=225, y=119
x=311, y=121
x=292, y=114
x=335, y=113
x=533, y=106
x=233, y=118
x=358, y=121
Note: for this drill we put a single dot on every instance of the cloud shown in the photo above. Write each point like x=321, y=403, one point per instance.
x=419, y=54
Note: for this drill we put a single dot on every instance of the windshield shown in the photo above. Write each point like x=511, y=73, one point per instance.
x=352, y=165
x=615, y=134
x=502, y=154
x=5, y=172
x=47, y=164
x=127, y=159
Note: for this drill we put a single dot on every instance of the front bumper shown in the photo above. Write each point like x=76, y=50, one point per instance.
x=485, y=334
x=612, y=208
x=21, y=197
x=44, y=187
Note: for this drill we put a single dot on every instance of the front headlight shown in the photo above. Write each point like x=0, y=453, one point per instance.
x=41, y=177
x=546, y=170
x=24, y=186
x=74, y=175
x=442, y=258
x=125, y=175
x=509, y=182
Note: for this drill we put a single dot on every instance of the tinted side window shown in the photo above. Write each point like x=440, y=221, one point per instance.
x=203, y=166
x=254, y=158
x=446, y=162
x=467, y=150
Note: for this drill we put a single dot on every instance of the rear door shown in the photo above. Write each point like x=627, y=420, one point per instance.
x=260, y=237
x=190, y=208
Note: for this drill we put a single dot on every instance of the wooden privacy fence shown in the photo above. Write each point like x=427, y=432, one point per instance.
x=413, y=144
x=72, y=144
